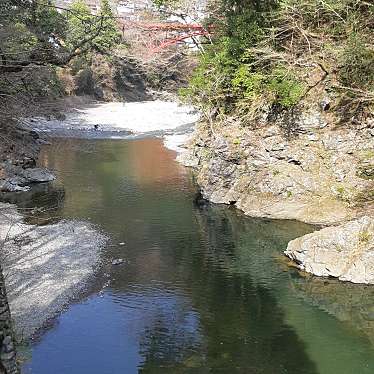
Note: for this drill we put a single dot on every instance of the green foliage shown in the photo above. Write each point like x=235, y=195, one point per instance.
x=17, y=40
x=36, y=37
x=247, y=83
x=227, y=76
x=210, y=84
x=278, y=84
x=357, y=64
x=364, y=236
x=80, y=22
x=110, y=35
x=263, y=53
x=46, y=20
x=287, y=89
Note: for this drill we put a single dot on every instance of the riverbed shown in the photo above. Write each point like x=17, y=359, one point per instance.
x=199, y=288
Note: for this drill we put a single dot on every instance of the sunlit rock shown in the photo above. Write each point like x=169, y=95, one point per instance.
x=345, y=252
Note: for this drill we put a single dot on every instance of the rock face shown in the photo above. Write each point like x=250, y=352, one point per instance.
x=16, y=178
x=315, y=172
x=345, y=252
x=19, y=149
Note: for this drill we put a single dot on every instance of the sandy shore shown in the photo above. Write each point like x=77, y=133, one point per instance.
x=45, y=266
x=118, y=119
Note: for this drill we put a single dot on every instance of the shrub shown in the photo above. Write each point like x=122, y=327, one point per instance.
x=357, y=64
x=287, y=89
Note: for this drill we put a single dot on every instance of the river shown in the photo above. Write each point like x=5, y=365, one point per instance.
x=202, y=288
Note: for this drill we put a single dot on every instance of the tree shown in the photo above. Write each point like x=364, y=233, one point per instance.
x=34, y=32
x=80, y=22
x=110, y=35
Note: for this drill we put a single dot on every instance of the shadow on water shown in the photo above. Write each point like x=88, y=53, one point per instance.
x=203, y=289
x=42, y=204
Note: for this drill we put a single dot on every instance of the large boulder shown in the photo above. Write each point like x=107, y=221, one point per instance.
x=345, y=252
x=37, y=175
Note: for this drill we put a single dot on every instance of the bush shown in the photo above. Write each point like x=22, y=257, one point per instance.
x=287, y=89
x=357, y=64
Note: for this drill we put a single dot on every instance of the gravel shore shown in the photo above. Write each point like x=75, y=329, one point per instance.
x=44, y=266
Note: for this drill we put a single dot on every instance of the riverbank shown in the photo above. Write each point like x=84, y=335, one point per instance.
x=20, y=144
x=118, y=120
x=45, y=266
x=324, y=175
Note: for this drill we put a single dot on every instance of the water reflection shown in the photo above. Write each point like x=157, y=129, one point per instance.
x=202, y=289
x=352, y=304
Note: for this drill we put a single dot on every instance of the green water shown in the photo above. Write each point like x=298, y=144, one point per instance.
x=204, y=289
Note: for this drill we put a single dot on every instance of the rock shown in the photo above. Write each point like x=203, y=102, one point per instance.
x=312, y=137
x=15, y=178
x=38, y=175
x=60, y=116
x=308, y=177
x=28, y=162
x=345, y=252
x=7, y=186
x=271, y=131
x=325, y=104
x=53, y=262
x=117, y=261
x=311, y=121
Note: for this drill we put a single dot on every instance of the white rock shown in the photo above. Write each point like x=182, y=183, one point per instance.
x=117, y=261
x=345, y=252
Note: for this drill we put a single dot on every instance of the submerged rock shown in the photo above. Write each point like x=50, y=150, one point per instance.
x=46, y=266
x=117, y=261
x=345, y=252
x=347, y=302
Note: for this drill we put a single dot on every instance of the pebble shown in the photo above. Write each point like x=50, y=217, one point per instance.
x=117, y=261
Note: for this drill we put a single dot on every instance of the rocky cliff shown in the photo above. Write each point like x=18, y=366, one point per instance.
x=303, y=167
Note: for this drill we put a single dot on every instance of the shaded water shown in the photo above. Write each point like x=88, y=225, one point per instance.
x=203, y=290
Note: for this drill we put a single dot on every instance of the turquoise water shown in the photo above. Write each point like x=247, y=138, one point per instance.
x=203, y=288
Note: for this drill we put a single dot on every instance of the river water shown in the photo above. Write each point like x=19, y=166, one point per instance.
x=202, y=289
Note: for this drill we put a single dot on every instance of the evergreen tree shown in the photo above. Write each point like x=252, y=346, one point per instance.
x=110, y=35
x=80, y=22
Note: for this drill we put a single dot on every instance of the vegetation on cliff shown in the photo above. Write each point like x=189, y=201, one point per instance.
x=272, y=55
x=287, y=91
